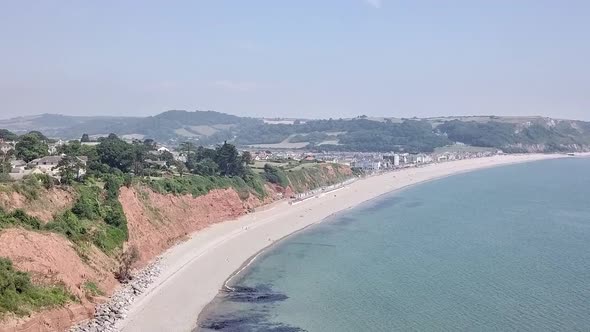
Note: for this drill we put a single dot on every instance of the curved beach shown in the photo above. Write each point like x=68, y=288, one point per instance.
x=194, y=271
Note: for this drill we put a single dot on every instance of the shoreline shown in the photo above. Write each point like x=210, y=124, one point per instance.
x=193, y=272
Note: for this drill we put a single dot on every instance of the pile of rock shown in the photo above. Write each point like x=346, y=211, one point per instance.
x=107, y=314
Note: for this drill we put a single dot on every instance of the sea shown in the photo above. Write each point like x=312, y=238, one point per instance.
x=499, y=249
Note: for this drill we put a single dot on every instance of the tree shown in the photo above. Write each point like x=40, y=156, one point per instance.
x=72, y=148
x=85, y=138
x=5, y=165
x=187, y=148
x=70, y=169
x=205, y=167
x=7, y=135
x=39, y=135
x=150, y=144
x=30, y=147
x=180, y=167
x=139, y=153
x=247, y=157
x=167, y=156
x=115, y=153
x=229, y=161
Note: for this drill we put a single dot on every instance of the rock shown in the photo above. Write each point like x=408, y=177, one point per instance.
x=108, y=314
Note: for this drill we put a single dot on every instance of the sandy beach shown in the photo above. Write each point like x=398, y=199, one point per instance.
x=194, y=271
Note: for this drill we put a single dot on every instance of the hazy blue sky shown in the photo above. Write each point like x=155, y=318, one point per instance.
x=305, y=58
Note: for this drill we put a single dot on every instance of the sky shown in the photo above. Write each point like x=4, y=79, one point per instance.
x=296, y=58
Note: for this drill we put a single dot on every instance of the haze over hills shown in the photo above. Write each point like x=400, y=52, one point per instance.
x=511, y=134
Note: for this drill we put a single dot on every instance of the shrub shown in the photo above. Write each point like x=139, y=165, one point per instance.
x=68, y=224
x=92, y=289
x=126, y=260
x=88, y=204
x=18, y=217
x=109, y=239
x=275, y=175
x=18, y=295
x=29, y=187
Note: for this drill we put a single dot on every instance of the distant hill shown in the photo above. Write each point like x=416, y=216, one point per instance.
x=170, y=126
x=511, y=134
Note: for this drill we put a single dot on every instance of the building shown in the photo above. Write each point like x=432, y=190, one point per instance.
x=46, y=164
x=367, y=165
x=396, y=160
x=6, y=146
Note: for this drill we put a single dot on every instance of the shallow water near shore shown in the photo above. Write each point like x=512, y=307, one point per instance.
x=503, y=249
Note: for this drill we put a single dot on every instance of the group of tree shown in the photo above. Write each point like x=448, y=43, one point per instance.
x=224, y=160
x=358, y=134
x=31, y=146
x=511, y=137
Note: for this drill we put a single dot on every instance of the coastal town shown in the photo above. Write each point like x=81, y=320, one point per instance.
x=162, y=158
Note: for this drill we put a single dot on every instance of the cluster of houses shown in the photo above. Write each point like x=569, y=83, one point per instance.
x=369, y=161
x=45, y=165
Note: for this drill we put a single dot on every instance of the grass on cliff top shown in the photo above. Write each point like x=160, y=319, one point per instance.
x=310, y=178
x=198, y=185
x=19, y=296
x=30, y=186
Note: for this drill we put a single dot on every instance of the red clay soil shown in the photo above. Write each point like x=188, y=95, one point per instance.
x=51, y=259
x=48, y=203
x=156, y=222
x=51, y=320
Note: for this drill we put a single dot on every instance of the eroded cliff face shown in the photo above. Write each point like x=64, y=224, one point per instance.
x=52, y=259
x=156, y=221
x=47, y=203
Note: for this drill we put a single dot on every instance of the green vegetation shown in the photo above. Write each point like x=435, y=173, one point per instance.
x=7, y=135
x=18, y=295
x=31, y=146
x=511, y=137
x=357, y=134
x=97, y=217
x=18, y=218
x=92, y=289
x=275, y=175
x=198, y=185
x=308, y=178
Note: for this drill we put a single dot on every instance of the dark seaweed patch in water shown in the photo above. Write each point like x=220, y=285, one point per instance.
x=386, y=202
x=251, y=322
x=414, y=204
x=345, y=221
x=258, y=294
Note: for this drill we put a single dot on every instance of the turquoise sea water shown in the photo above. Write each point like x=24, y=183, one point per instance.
x=502, y=249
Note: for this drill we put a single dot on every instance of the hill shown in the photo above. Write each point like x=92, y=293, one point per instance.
x=511, y=134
